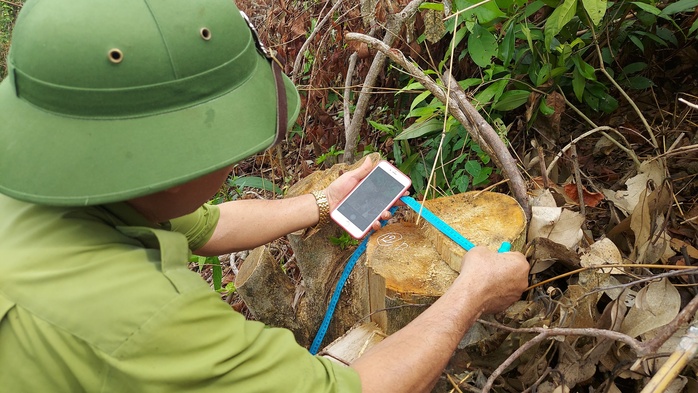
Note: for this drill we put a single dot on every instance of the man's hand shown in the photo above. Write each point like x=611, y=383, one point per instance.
x=341, y=187
x=498, y=279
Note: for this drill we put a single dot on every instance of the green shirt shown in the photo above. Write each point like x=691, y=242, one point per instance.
x=94, y=299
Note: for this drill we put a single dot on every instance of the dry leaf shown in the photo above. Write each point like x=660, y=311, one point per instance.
x=603, y=252
x=434, y=27
x=677, y=244
x=544, y=253
x=604, y=146
x=557, y=224
x=647, y=223
x=591, y=199
x=542, y=197
x=627, y=200
x=655, y=305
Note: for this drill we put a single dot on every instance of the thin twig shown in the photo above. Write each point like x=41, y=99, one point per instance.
x=586, y=134
x=630, y=265
x=679, y=150
x=432, y=175
x=692, y=105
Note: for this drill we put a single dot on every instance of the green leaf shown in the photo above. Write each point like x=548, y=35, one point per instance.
x=482, y=46
x=578, y=84
x=491, y=93
x=680, y=6
x=432, y=6
x=562, y=15
x=653, y=37
x=412, y=86
x=470, y=82
x=217, y=272
x=423, y=112
x=694, y=27
x=485, y=13
x=545, y=109
x=511, y=99
x=462, y=183
x=543, y=74
x=634, y=68
x=638, y=42
x=507, y=47
x=596, y=10
x=482, y=176
x=420, y=129
x=647, y=8
x=421, y=97
x=473, y=168
x=585, y=69
x=667, y=35
x=255, y=182
x=639, y=82
x=386, y=128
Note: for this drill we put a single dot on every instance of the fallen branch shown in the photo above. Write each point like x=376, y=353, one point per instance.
x=461, y=109
x=393, y=26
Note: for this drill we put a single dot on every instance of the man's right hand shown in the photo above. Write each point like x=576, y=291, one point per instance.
x=498, y=279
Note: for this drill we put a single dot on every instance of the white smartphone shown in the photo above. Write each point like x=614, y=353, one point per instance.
x=375, y=193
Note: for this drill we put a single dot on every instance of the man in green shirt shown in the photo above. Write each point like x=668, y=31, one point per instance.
x=118, y=121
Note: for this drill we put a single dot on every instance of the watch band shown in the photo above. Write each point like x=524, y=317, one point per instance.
x=323, y=207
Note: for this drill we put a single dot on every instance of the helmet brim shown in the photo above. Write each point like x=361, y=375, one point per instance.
x=43, y=155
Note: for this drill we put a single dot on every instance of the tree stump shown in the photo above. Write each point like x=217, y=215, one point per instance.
x=411, y=264
x=321, y=264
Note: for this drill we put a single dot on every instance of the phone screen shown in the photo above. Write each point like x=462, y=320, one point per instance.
x=368, y=200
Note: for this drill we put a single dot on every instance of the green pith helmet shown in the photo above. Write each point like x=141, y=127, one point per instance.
x=109, y=100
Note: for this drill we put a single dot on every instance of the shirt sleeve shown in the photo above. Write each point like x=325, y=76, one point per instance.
x=197, y=343
x=198, y=226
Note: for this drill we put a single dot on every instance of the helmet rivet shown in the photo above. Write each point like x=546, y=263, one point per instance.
x=205, y=33
x=115, y=56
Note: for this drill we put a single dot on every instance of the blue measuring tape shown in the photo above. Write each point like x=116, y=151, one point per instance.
x=427, y=215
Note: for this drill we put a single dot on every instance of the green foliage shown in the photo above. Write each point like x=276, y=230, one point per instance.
x=215, y=263
x=329, y=156
x=344, y=241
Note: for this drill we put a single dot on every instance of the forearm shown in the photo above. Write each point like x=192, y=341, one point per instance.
x=246, y=224
x=412, y=359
